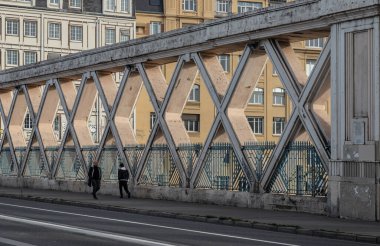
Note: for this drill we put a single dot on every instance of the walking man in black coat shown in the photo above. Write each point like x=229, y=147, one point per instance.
x=123, y=176
x=95, y=175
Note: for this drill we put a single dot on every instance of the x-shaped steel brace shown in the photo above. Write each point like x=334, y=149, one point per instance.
x=70, y=119
x=222, y=118
x=301, y=96
x=7, y=120
x=110, y=110
x=35, y=130
x=160, y=121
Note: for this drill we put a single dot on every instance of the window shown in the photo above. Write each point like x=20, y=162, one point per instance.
x=248, y=6
x=310, y=63
x=314, y=43
x=191, y=122
x=54, y=30
x=274, y=71
x=58, y=126
x=54, y=2
x=257, y=124
x=30, y=28
x=125, y=6
x=278, y=96
x=75, y=3
x=257, y=96
x=155, y=27
x=194, y=94
x=110, y=36
x=30, y=57
x=110, y=6
x=57, y=123
x=132, y=119
x=225, y=62
x=189, y=5
x=153, y=119
x=12, y=57
x=121, y=75
x=223, y=6
x=12, y=27
x=53, y=55
x=76, y=33
x=124, y=35
x=278, y=125
x=28, y=122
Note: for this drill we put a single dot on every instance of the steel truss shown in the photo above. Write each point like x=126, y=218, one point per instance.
x=168, y=99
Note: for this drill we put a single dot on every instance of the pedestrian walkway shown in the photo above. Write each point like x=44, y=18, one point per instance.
x=291, y=222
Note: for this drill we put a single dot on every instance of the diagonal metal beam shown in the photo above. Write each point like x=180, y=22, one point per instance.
x=160, y=111
x=222, y=118
x=301, y=114
x=7, y=134
x=316, y=79
x=70, y=128
x=9, y=120
x=110, y=113
x=35, y=132
x=291, y=129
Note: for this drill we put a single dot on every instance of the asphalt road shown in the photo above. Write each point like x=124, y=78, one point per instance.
x=25, y=223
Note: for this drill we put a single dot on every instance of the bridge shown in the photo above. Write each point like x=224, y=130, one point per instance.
x=327, y=161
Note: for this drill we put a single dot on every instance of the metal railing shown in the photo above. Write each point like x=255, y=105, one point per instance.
x=222, y=170
x=300, y=172
x=160, y=169
x=69, y=166
x=133, y=154
x=7, y=165
x=258, y=155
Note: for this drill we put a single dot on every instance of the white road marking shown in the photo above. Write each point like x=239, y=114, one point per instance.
x=13, y=242
x=84, y=231
x=153, y=225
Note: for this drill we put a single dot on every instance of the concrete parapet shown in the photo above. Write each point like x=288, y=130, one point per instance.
x=354, y=189
x=315, y=205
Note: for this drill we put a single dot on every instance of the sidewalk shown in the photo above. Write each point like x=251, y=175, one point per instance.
x=290, y=222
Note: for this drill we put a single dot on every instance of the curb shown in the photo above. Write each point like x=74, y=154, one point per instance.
x=209, y=219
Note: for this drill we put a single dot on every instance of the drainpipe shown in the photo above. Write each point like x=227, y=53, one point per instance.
x=97, y=33
x=42, y=41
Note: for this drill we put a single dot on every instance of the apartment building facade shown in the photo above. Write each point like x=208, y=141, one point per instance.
x=269, y=107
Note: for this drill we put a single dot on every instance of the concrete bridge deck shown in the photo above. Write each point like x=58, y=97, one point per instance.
x=283, y=221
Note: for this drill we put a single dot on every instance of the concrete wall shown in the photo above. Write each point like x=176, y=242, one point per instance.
x=355, y=153
x=315, y=205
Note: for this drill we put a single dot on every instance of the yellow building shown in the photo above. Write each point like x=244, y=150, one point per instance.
x=199, y=112
x=269, y=107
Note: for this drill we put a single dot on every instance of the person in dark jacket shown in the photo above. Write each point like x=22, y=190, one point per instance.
x=123, y=176
x=95, y=176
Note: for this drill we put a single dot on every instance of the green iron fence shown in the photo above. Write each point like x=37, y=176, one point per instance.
x=258, y=155
x=109, y=162
x=160, y=169
x=35, y=164
x=134, y=153
x=222, y=170
x=69, y=166
x=189, y=154
x=300, y=172
x=7, y=165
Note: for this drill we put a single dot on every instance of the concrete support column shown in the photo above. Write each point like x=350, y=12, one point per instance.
x=354, y=167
